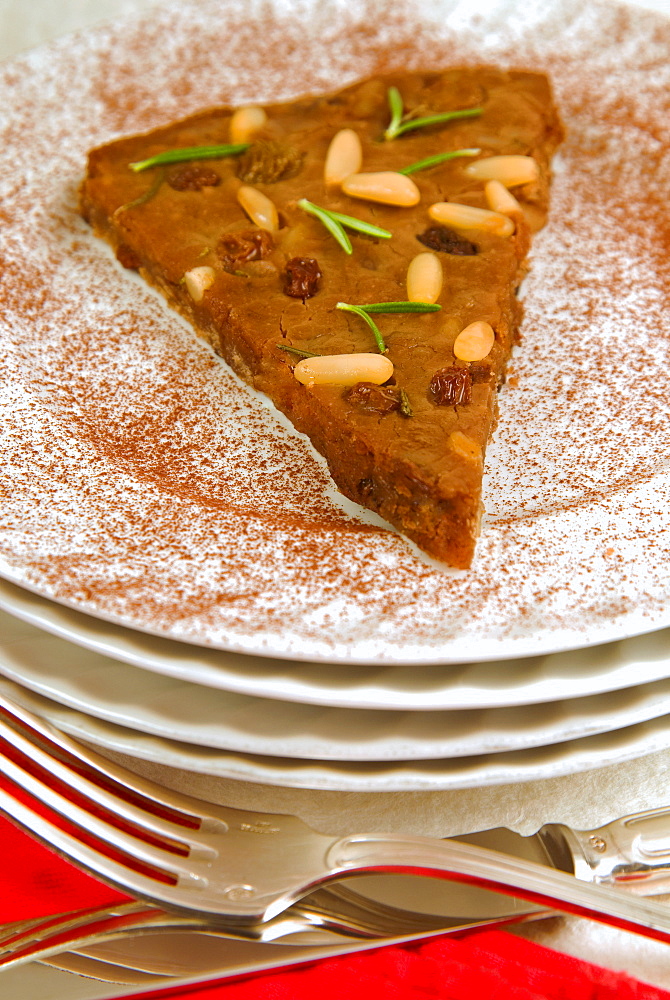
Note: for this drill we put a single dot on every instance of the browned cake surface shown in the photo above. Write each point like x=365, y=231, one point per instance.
x=421, y=472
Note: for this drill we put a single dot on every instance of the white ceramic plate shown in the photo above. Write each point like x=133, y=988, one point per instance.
x=426, y=688
x=190, y=713
x=482, y=770
x=144, y=485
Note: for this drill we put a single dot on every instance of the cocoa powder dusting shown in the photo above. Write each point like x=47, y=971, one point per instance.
x=143, y=483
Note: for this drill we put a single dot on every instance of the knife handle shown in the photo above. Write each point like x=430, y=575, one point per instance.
x=632, y=852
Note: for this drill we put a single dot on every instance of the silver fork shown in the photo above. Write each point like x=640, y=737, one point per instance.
x=240, y=868
x=327, y=918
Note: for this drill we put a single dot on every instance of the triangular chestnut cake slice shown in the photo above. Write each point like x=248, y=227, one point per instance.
x=357, y=257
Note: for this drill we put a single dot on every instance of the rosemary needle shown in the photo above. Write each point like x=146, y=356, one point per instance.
x=189, y=153
x=296, y=350
x=146, y=196
x=433, y=161
x=401, y=307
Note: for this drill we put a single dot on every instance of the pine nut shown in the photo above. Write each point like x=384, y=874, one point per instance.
x=198, y=280
x=509, y=170
x=450, y=213
x=474, y=342
x=344, y=369
x=424, y=278
x=386, y=187
x=344, y=156
x=500, y=200
x=259, y=208
x=245, y=123
x=465, y=446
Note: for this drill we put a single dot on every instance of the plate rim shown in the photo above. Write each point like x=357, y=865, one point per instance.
x=431, y=653
x=578, y=756
x=376, y=693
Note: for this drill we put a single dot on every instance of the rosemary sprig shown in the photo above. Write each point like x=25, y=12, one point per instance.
x=385, y=307
x=332, y=225
x=296, y=350
x=335, y=223
x=432, y=161
x=359, y=311
x=400, y=123
x=145, y=196
x=190, y=153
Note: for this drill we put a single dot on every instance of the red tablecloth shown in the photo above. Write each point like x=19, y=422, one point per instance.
x=35, y=882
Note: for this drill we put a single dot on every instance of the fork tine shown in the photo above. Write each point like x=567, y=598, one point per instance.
x=87, y=815
x=85, y=765
x=193, y=856
x=38, y=938
x=86, y=839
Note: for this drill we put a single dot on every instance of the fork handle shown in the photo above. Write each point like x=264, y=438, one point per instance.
x=456, y=861
x=632, y=852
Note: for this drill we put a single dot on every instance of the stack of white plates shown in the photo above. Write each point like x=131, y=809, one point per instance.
x=359, y=728
x=181, y=580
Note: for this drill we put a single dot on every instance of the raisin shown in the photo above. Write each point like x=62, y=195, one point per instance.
x=375, y=398
x=192, y=177
x=267, y=162
x=443, y=239
x=302, y=277
x=127, y=257
x=235, y=249
x=451, y=386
